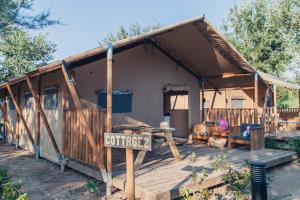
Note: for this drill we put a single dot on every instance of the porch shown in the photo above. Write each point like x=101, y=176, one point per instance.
x=162, y=177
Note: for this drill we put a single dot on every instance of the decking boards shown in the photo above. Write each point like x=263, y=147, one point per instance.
x=161, y=177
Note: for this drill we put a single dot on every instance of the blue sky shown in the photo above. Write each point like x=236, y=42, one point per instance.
x=87, y=22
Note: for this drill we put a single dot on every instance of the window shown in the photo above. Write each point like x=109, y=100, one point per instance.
x=28, y=104
x=11, y=104
x=50, y=98
x=121, y=101
x=237, y=102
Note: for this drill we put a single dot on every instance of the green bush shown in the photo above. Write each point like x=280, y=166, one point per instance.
x=9, y=191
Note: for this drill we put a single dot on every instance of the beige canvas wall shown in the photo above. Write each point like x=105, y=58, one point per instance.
x=143, y=71
x=53, y=116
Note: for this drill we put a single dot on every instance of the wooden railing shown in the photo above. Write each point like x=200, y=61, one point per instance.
x=74, y=140
x=235, y=117
x=288, y=112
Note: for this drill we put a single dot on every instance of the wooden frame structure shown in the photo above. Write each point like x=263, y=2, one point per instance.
x=104, y=158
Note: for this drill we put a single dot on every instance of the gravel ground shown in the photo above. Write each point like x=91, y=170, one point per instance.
x=285, y=182
x=42, y=179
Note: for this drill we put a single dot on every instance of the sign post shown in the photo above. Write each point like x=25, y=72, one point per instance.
x=129, y=142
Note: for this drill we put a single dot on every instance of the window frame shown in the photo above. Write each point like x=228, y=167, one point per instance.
x=53, y=90
x=116, y=108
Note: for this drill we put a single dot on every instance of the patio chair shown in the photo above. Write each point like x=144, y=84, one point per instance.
x=203, y=131
x=256, y=139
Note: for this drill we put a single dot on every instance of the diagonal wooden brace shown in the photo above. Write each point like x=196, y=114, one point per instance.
x=35, y=146
x=88, y=132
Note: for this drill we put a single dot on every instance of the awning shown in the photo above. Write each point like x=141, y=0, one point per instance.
x=273, y=80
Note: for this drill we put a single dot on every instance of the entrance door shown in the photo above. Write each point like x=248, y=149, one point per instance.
x=177, y=106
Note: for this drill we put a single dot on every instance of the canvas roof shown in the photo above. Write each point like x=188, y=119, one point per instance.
x=277, y=81
x=195, y=44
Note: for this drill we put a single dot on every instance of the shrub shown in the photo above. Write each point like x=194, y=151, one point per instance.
x=9, y=191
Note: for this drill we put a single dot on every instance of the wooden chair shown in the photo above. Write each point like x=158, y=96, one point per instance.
x=256, y=140
x=197, y=130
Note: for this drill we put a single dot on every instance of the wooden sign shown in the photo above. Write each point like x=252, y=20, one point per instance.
x=132, y=141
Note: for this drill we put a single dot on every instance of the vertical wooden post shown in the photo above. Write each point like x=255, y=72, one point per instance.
x=18, y=117
x=11, y=93
x=6, y=120
x=255, y=98
x=108, y=118
x=202, y=101
x=275, y=99
x=38, y=114
x=63, y=128
x=276, y=116
x=130, y=174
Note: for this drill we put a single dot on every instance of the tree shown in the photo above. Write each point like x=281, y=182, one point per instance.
x=16, y=13
x=21, y=52
x=266, y=32
x=123, y=33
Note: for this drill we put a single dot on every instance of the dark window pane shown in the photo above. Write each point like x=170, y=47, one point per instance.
x=50, y=98
x=28, y=104
x=121, y=101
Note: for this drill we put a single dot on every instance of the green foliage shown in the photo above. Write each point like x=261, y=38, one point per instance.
x=123, y=33
x=9, y=191
x=266, y=32
x=271, y=144
x=21, y=52
x=239, y=182
x=16, y=13
x=92, y=186
x=220, y=162
x=294, y=143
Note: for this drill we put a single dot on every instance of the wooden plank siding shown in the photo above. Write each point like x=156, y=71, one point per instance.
x=75, y=143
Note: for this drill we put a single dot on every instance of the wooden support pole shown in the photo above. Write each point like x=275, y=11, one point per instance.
x=5, y=118
x=42, y=114
x=255, y=98
x=130, y=174
x=88, y=130
x=11, y=93
x=202, y=101
x=213, y=100
x=265, y=106
x=275, y=99
x=38, y=114
x=63, y=127
x=109, y=118
x=18, y=117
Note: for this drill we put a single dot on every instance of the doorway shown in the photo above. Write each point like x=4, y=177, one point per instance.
x=176, y=104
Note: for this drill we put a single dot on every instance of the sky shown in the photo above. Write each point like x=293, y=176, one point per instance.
x=85, y=23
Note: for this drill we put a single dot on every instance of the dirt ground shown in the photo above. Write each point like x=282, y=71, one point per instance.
x=42, y=179
x=285, y=182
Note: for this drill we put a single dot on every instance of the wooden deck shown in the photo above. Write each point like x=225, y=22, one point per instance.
x=161, y=177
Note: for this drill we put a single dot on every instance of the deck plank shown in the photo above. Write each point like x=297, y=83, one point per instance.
x=161, y=177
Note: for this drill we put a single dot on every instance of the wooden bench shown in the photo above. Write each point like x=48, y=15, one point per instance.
x=256, y=140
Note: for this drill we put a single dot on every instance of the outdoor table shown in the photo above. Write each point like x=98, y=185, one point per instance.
x=158, y=132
